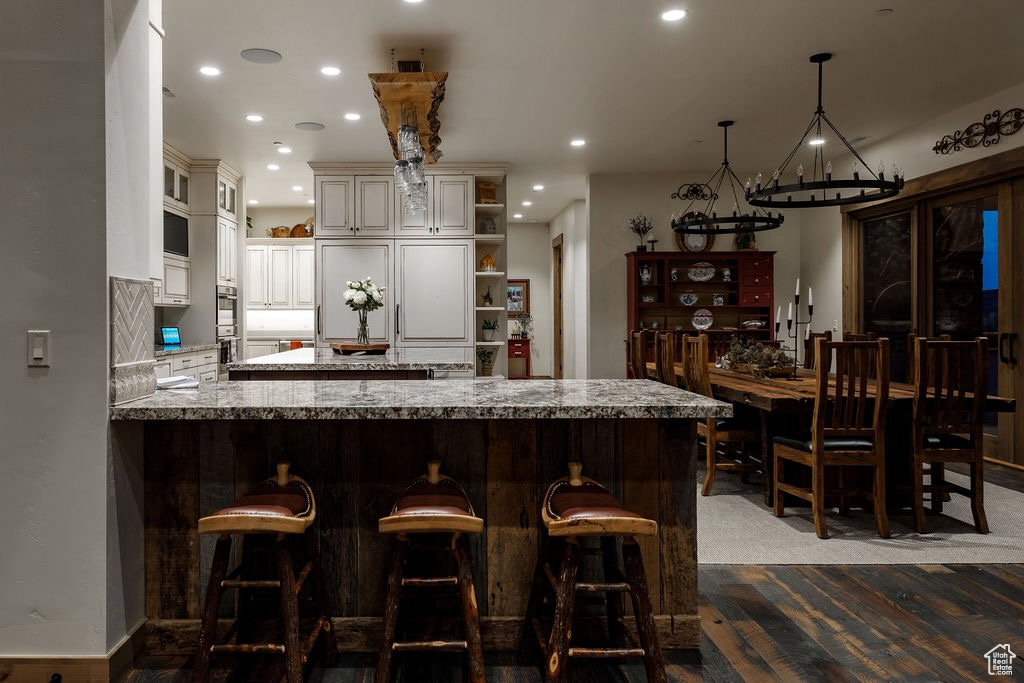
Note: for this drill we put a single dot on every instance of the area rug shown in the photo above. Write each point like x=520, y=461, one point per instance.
x=734, y=526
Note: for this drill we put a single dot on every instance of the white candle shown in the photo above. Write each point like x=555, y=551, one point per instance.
x=789, y=312
x=778, y=314
x=807, y=333
x=810, y=297
x=797, y=290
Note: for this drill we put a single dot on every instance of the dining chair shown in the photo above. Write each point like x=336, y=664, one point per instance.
x=950, y=386
x=665, y=354
x=847, y=430
x=912, y=353
x=638, y=341
x=858, y=336
x=717, y=433
x=809, y=354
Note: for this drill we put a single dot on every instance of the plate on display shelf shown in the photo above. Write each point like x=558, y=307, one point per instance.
x=688, y=298
x=701, y=272
x=754, y=324
x=702, y=319
x=360, y=349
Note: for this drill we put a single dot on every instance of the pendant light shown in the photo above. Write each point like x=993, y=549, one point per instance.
x=700, y=217
x=823, y=189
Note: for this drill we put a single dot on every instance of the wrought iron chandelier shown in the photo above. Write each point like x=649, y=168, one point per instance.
x=822, y=189
x=707, y=221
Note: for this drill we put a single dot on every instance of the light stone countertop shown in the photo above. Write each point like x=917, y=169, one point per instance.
x=161, y=351
x=486, y=398
x=457, y=358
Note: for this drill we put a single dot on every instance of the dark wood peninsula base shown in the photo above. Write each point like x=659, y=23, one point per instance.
x=357, y=467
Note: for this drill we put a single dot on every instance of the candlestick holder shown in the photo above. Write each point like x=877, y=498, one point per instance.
x=793, y=330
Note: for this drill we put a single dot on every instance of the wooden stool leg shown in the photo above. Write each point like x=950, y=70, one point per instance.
x=565, y=597
x=289, y=611
x=610, y=560
x=211, y=610
x=709, y=476
x=654, y=663
x=470, y=612
x=978, y=496
x=529, y=634
x=327, y=640
x=818, y=500
x=383, y=671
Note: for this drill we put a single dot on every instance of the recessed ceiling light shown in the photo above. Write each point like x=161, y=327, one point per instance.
x=254, y=202
x=309, y=125
x=673, y=14
x=209, y=71
x=413, y=2
x=352, y=116
x=261, y=55
x=283, y=149
x=330, y=71
x=255, y=118
x=538, y=187
x=517, y=215
x=297, y=188
x=311, y=201
x=273, y=167
x=527, y=203
x=578, y=142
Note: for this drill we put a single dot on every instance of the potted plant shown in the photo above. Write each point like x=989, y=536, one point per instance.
x=490, y=328
x=486, y=356
x=525, y=324
x=641, y=225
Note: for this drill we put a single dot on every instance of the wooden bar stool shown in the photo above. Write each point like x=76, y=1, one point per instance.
x=282, y=507
x=432, y=504
x=575, y=507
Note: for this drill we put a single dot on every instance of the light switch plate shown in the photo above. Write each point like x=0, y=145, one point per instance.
x=39, y=348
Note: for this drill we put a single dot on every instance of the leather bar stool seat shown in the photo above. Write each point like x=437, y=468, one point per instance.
x=283, y=508
x=574, y=508
x=432, y=506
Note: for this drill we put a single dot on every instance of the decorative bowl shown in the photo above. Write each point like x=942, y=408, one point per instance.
x=647, y=299
x=688, y=298
x=701, y=271
x=754, y=324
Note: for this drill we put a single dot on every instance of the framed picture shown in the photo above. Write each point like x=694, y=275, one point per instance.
x=517, y=301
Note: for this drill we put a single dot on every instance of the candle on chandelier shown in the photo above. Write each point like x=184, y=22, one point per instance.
x=810, y=297
x=789, y=313
x=797, y=290
x=778, y=315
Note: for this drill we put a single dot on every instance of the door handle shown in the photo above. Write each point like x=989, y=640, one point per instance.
x=1013, y=348
x=318, y=319
x=398, y=307
x=1003, y=358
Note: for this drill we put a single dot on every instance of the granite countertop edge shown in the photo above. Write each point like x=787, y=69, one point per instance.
x=162, y=351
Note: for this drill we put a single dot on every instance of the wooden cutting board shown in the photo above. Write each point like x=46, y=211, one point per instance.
x=365, y=349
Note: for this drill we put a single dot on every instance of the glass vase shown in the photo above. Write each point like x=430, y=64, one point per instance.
x=363, y=333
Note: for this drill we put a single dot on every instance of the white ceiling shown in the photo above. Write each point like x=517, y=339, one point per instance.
x=526, y=76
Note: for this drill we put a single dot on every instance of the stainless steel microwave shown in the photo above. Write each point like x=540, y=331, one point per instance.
x=175, y=233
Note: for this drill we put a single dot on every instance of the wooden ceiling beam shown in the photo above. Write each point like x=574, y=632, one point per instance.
x=420, y=92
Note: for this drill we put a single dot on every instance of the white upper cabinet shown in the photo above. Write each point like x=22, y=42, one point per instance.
x=420, y=223
x=227, y=198
x=227, y=253
x=303, y=276
x=355, y=206
x=453, y=205
x=176, y=185
x=268, y=276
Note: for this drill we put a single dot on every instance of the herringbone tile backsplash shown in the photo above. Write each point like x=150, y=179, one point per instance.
x=132, y=319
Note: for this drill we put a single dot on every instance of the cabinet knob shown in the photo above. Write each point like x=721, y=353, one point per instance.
x=757, y=297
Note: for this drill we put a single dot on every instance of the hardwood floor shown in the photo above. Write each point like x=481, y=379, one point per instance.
x=784, y=623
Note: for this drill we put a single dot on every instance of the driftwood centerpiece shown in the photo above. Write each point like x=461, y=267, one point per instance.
x=412, y=98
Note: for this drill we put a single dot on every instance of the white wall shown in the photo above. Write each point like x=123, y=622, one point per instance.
x=615, y=198
x=820, y=236
x=571, y=223
x=529, y=257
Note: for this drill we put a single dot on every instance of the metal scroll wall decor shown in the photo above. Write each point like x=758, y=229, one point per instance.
x=985, y=133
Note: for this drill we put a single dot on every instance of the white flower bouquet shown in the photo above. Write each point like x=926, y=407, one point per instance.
x=362, y=296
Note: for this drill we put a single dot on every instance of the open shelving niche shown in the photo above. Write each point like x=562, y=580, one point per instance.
x=494, y=245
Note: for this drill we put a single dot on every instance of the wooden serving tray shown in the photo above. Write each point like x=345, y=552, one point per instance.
x=367, y=349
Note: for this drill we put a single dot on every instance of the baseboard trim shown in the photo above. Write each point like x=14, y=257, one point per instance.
x=77, y=669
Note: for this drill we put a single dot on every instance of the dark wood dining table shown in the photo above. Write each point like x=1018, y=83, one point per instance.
x=786, y=403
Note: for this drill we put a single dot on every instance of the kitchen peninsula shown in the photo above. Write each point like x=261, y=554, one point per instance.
x=359, y=442
x=325, y=363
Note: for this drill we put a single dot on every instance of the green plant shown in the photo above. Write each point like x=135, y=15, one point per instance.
x=641, y=225
x=485, y=354
x=743, y=352
x=489, y=324
x=525, y=324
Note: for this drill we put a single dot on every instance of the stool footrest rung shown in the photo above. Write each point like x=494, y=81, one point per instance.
x=614, y=587
x=430, y=645
x=248, y=648
x=233, y=583
x=431, y=582
x=606, y=652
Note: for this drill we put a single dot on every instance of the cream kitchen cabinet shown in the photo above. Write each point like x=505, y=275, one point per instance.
x=338, y=261
x=355, y=206
x=227, y=197
x=227, y=252
x=449, y=210
x=177, y=290
x=303, y=276
x=201, y=365
x=268, y=276
x=434, y=292
x=429, y=290
x=176, y=181
x=253, y=349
